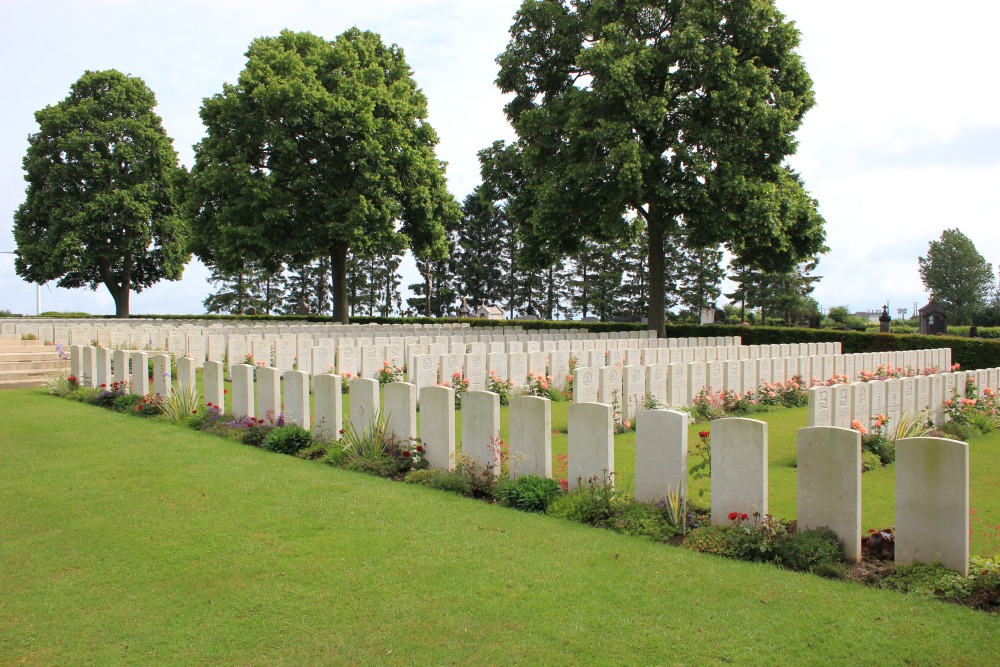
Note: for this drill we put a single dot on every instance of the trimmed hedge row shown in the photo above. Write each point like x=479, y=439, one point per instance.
x=971, y=353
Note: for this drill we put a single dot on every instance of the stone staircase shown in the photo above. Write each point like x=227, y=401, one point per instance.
x=25, y=363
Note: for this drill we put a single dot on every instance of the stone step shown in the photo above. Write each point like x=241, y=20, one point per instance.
x=25, y=344
x=28, y=356
x=23, y=378
x=47, y=365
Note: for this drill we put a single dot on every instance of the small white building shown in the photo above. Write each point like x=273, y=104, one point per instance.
x=490, y=312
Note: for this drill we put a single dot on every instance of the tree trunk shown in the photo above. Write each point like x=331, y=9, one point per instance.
x=549, y=306
x=657, y=317
x=119, y=290
x=338, y=258
x=428, y=286
x=121, y=296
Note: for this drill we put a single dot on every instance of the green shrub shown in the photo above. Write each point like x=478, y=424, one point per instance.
x=126, y=403
x=425, y=477
x=631, y=517
x=716, y=540
x=957, y=431
x=807, y=550
x=255, y=433
x=443, y=480
x=287, y=439
x=529, y=493
x=378, y=466
x=933, y=581
x=590, y=504
x=870, y=461
x=880, y=446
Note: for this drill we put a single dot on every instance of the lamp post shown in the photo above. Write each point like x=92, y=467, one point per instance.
x=38, y=287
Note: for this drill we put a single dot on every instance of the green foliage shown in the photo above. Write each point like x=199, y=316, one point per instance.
x=104, y=192
x=808, y=550
x=716, y=540
x=529, y=493
x=126, y=404
x=255, y=432
x=956, y=275
x=483, y=250
x=934, y=581
x=590, y=503
x=180, y=404
x=443, y=480
x=59, y=385
x=878, y=445
x=371, y=442
x=870, y=461
x=598, y=504
x=351, y=163
x=289, y=439
x=969, y=352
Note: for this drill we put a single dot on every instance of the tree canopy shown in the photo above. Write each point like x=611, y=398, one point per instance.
x=320, y=147
x=956, y=275
x=680, y=112
x=102, y=203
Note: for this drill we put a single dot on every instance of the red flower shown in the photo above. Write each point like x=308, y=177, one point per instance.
x=103, y=386
x=703, y=434
x=225, y=391
x=733, y=516
x=341, y=431
x=420, y=448
x=744, y=517
x=194, y=412
x=406, y=453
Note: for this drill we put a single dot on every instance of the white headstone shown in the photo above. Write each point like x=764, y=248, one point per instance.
x=213, y=377
x=364, y=403
x=530, y=420
x=932, y=502
x=739, y=468
x=328, y=404
x=161, y=375
x=437, y=426
x=268, y=390
x=585, y=385
x=400, y=409
x=829, y=484
x=591, y=443
x=481, y=429
x=297, y=399
x=243, y=390
x=661, y=445
x=139, y=379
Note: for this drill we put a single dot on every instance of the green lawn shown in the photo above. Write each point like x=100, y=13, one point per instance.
x=126, y=541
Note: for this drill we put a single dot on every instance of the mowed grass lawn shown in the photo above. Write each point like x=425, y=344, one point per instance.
x=126, y=541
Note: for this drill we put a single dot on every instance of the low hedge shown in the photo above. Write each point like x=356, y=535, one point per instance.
x=971, y=353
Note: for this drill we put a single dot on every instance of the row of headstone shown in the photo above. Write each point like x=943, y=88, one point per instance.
x=843, y=404
x=929, y=471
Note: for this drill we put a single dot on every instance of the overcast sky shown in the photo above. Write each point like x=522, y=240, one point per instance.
x=903, y=143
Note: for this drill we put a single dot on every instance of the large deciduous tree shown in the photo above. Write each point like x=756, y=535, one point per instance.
x=102, y=204
x=956, y=275
x=319, y=147
x=679, y=111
